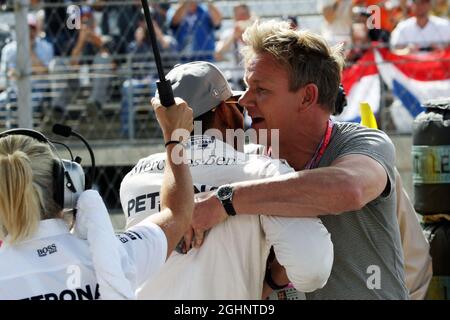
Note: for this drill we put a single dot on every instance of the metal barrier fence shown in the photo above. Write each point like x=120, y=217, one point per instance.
x=101, y=89
x=101, y=85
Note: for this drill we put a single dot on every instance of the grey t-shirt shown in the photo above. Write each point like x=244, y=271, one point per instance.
x=368, y=256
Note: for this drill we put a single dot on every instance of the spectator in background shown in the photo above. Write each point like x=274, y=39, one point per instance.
x=441, y=9
x=421, y=32
x=41, y=53
x=292, y=20
x=360, y=43
x=89, y=49
x=391, y=12
x=167, y=43
x=338, y=20
x=56, y=31
x=5, y=36
x=229, y=46
x=361, y=15
x=40, y=23
x=119, y=22
x=193, y=26
x=143, y=82
x=159, y=12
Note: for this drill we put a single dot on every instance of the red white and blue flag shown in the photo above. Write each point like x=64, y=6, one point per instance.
x=413, y=79
x=361, y=82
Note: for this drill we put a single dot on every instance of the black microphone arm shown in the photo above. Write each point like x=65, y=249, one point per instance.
x=164, y=86
x=67, y=131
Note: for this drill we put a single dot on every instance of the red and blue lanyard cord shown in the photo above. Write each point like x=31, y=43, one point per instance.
x=314, y=162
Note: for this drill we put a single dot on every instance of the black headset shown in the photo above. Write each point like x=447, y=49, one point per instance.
x=69, y=180
x=341, y=101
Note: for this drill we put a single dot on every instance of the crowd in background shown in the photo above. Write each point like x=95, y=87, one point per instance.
x=112, y=38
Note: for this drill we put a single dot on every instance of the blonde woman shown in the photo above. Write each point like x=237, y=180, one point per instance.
x=41, y=259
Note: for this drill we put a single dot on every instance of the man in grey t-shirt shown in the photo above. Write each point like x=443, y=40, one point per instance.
x=367, y=242
x=344, y=172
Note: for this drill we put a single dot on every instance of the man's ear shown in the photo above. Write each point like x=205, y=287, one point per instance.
x=309, y=96
x=230, y=116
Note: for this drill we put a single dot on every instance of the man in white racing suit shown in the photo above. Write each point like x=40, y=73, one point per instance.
x=231, y=263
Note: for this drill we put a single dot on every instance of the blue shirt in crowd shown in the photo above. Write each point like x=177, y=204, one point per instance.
x=194, y=35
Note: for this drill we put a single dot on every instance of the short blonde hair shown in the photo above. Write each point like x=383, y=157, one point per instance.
x=305, y=55
x=26, y=186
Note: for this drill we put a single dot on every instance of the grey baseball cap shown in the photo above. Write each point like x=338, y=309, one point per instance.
x=201, y=84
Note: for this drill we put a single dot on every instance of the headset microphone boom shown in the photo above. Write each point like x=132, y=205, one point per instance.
x=67, y=131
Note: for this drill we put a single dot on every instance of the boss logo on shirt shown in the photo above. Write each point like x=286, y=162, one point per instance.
x=46, y=250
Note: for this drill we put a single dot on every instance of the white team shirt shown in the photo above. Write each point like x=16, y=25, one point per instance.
x=56, y=265
x=231, y=262
x=436, y=31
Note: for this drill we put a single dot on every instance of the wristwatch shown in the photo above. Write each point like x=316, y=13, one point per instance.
x=225, y=195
